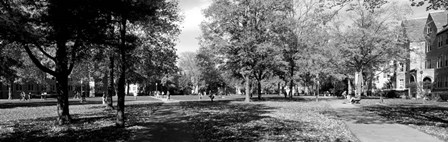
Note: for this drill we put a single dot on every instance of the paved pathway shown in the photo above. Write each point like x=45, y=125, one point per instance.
x=369, y=127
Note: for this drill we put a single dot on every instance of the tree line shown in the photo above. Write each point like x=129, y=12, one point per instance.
x=279, y=44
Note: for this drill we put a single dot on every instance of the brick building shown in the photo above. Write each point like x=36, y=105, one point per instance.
x=437, y=50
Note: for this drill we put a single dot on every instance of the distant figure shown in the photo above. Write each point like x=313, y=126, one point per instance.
x=104, y=98
x=83, y=97
x=344, y=94
x=77, y=95
x=28, y=96
x=23, y=96
x=168, y=94
x=200, y=95
x=212, y=96
x=43, y=96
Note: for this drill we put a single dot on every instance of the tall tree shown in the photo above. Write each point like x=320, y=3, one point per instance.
x=210, y=78
x=240, y=31
x=146, y=15
x=189, y=65
x=10, y=64
x=374, y=37
x=302, y=36
x=51, y=25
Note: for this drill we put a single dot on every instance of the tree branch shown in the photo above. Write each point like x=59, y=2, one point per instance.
x=37, y=62
x=45, y=53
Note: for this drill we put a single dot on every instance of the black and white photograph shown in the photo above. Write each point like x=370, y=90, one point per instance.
x=223, y=70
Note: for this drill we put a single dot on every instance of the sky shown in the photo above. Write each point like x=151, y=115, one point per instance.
x=192, y=12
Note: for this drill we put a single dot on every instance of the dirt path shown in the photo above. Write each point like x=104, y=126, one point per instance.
x=369, y=127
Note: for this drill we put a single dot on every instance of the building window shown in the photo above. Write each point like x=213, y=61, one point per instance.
x=401, y=67
x=428, y=30
x=446, y=38
x=446, y=61
x=446, y=81
x=439, y=40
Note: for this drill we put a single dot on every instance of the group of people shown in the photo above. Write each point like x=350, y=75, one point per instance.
x=162, y=94
x=80, y=96
x=25, y=96
x=204, y=93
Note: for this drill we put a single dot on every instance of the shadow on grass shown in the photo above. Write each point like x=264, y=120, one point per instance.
x=184, y=121
x=429, y=115
x=42, y=103
x=98, y=126
x=412, y=113
x=216, y=121
x=277, y=98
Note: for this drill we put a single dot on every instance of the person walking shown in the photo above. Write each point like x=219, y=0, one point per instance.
x=83, y=97
x=23, y=96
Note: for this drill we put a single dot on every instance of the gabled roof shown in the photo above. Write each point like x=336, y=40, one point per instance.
x=440, y=19
x=414, y=29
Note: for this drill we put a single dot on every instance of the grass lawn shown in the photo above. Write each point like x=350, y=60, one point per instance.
x=427, y=116
x=223, y=120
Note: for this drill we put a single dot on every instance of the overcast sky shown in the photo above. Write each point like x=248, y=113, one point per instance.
x=192, y=11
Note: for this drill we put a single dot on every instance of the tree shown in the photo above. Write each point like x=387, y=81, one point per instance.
x=10, y=64
x=145, y=15
x=189, y=65
x=210, y=77
x=373, y=38
x=63, y=27
x=432, y=4
x=240, y=31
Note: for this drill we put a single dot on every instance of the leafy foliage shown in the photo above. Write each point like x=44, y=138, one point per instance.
x=432, y=4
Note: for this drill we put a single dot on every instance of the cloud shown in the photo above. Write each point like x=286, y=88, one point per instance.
x=192, y=11
x=194, y=16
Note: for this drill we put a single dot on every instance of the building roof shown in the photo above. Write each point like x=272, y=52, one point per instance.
x=440, y=19
x=414, y=29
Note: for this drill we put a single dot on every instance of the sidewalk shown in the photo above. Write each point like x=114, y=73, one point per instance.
x=165, y=100
x=369, y=127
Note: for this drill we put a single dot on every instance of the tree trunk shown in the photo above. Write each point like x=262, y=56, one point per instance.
x=247, y=99
x=278, y=88
x=358, y=84
x=349, y=86
x=91, y=89
x=291, y=79
x=259, y=89
x=121, y=80
x=111, y=88
x=291, y=87
x=121, y=95
x=61, y=75
x=128, y=86
x=370, y=85
x=316, y=87
x=10, y=86
x=63, y=103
